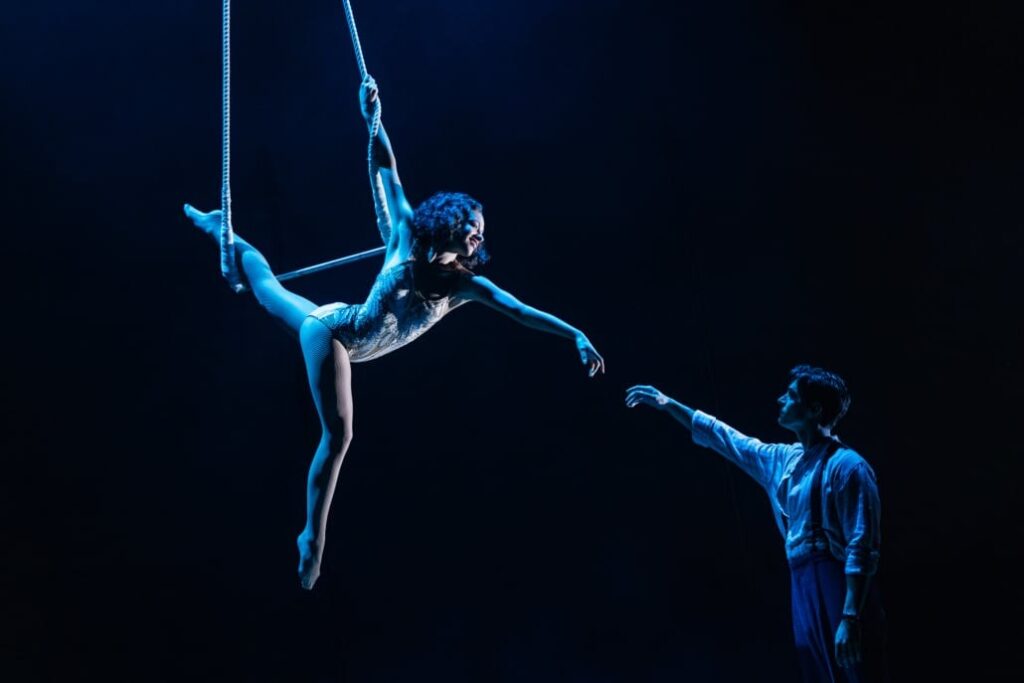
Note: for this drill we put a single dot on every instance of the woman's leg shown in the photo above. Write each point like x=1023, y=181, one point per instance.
x=287, y=307
x=330, y=381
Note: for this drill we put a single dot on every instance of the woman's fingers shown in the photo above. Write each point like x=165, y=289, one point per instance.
x=593, y=360
x=370, y=90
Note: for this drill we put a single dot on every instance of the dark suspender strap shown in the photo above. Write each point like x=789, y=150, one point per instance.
x=830, y=447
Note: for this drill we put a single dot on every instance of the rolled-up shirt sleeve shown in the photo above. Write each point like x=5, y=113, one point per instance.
x=859, y=510
x=762, y=461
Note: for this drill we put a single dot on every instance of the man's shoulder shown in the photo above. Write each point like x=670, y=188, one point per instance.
x=846, y=462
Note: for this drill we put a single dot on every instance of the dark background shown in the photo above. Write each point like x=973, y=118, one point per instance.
x=713, y=191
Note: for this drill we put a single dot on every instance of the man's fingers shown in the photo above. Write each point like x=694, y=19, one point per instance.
x=843, y=656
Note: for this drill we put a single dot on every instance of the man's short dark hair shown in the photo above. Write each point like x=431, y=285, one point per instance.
x=825, y=388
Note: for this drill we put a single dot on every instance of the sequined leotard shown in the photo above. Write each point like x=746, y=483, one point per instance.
x=393, y=315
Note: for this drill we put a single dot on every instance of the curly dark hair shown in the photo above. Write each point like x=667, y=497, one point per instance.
x=439, y=218
x=825, y=388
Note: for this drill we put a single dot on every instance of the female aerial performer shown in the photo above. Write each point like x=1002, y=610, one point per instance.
x=426, y=274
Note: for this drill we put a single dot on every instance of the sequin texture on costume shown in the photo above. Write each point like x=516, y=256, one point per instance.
x=393, y=315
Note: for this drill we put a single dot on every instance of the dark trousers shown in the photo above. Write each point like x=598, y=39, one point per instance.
x=818, y=592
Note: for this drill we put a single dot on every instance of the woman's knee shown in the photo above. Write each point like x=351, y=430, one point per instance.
x=328, y=367
x=338, y=433
x=254, y=262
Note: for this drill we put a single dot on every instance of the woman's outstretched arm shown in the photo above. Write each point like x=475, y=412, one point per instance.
x=393, y=209
x=481, y=289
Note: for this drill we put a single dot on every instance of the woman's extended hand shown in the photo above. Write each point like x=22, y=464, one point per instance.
x=643, y=394
x=589, y=355
x=369, y=98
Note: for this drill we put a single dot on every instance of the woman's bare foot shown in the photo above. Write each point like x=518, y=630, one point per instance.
x=310, y=553
x=207, y=222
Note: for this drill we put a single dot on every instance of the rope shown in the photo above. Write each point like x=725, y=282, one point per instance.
x=356, y=45
x=379, y=201
x=360, y=62
x=228, y=267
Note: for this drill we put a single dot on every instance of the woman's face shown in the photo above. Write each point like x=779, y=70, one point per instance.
x=468, y=239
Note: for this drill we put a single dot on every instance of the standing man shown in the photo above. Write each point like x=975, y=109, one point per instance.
x=825, y=501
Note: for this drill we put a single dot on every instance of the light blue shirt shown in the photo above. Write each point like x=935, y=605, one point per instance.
x=850, y=505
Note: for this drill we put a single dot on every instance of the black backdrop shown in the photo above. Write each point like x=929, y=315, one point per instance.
x=713, y=191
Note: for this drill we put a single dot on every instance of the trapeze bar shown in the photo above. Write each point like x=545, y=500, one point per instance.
x=327, y=265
